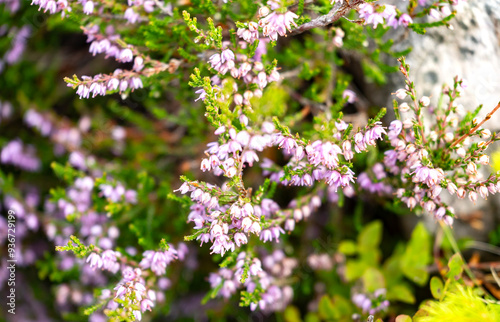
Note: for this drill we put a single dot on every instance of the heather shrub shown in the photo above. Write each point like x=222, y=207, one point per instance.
x=216, y=160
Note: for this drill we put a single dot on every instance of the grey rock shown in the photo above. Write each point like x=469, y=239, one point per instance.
x=472, y=51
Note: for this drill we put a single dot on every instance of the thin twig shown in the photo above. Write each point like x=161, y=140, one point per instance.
x=490, y=114
x=495, y=276
x=305, y=101
x=484, y=247
x=485, y=266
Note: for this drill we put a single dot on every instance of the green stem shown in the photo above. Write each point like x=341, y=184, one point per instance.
x=454, y=246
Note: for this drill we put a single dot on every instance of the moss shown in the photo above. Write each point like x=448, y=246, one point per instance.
x=457, y=306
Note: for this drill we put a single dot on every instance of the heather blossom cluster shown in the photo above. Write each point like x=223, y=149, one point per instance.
x=253, y=275
x=132, y=290
x=249, y=71
x=388, y=15
x=371, y=303
x=12, y=5
x=64, y=136
x=134, y=10
x=412, y=160
x=219, y=221
x=17, y=46
x=98, y=230
x=20, y=155
x=120, y=79
x=321, y=161
x=134, y=287
x=273, y=23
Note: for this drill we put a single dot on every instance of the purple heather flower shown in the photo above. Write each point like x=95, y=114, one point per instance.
x=34, y=119
x=88, y=8
x=77, y=160
x=109, y=261
x=158, y=261
x=351, y=97
x=135, y=83
x=146, y=304
x=240, y=239
x=368, y=13
x=131, y=16
x=405, y=20
x=95, y=260
x=126, y=55
x=276, y=24
x=20, y=156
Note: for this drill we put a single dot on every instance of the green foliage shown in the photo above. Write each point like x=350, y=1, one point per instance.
x=436, y=287
x=417, y=256
x=74, y=245
x=66, y=172
x=272, y=103
x=334, y=308
x=462, y=304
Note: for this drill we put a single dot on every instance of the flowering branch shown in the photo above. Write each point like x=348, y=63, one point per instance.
x=490, y=114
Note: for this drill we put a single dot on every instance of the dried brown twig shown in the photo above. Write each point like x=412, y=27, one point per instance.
x=337, y=12
x=474, y=129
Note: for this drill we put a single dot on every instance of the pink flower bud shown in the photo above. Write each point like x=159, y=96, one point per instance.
x=471, y=169
x=448, y=220
x=484, y=159
x=404, y=107
x=473, y=196
x=257, y=92
x=146, y=304
x=425, y=101
x=231, y=172
x=255, y=228
x=248, y=209
x=246, y=223
x=411, y=202
x=315, y=202
x=408, y=123
x=452, y=188
x=461, y=152
x=247, y=95
x=238, y=99
x=401, y=94
x=483, y=192
x=449, y=137
x=289, y=224
x=430, y=206
x=205, y=165
x=258, y=66
x=410, y=148
x=440, y=213
x=297, y=214
x=485, y=134
x=240, y=239
x=263, y=11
